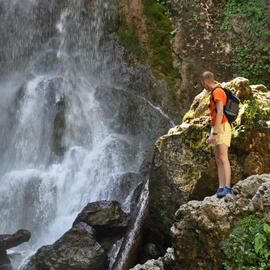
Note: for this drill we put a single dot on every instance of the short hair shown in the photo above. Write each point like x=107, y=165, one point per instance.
x=208, y=76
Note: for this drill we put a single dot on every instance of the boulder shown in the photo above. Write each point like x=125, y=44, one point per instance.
x=202, y=225
x=76, y=249
x=184, y=166
x=8, y=241
x=106, y=217
x=242, y=87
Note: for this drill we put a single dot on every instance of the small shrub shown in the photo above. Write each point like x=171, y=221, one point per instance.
x=248, y=245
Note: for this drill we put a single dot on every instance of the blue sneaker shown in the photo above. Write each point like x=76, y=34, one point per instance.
x=219, y=190
x=226, y=191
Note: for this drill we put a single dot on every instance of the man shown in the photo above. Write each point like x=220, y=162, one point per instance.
x=221, y=133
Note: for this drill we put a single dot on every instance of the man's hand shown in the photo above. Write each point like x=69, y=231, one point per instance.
x=212, y=139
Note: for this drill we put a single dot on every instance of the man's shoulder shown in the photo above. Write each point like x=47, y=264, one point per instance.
x=219, y=95
x=218, y=91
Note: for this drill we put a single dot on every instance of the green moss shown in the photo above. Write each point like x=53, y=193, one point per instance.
x=255, y=112
x=160, y=33
x=188, y=116
x=160, y=144
x=129, y=39
x=195, y=137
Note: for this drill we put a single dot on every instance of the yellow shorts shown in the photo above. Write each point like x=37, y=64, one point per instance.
x=225, y=134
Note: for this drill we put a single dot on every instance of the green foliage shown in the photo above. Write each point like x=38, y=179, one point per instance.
x=248, y=245
x=252, y=48
x=165, y=4
x=128, y=37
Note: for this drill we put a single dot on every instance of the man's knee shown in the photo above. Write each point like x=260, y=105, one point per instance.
x=222, y=157
x=222, y=160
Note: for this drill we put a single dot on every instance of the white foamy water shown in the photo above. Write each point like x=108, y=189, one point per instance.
x=67, y=57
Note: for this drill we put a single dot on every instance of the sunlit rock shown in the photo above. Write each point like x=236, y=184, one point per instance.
x=201, y=225
x=184, y=167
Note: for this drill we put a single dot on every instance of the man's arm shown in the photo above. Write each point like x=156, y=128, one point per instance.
x=219, y=107
x=213, y=137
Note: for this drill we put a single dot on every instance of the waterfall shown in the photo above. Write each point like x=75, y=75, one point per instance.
x=67, y=133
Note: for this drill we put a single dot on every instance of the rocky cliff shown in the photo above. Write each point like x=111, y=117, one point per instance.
x=173, y=41
x=200, y=227
x=184, y=166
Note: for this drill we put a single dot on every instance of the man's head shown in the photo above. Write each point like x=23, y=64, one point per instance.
x=208, y=80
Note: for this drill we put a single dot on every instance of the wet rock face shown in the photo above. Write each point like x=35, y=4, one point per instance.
x=4, y=261
x=59, y=127
x=8, y=241
x=124, y=187
x=76, y=249
x=131, y=113
x=202, y=225
x=148, y=78
x=184, y=166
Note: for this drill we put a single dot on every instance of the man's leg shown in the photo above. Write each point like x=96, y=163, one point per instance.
x=223, y=165
x=221, y=176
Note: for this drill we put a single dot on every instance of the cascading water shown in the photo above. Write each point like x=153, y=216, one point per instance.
x=66, y=132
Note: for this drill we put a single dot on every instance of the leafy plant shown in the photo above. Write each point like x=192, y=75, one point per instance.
x=248, y=245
